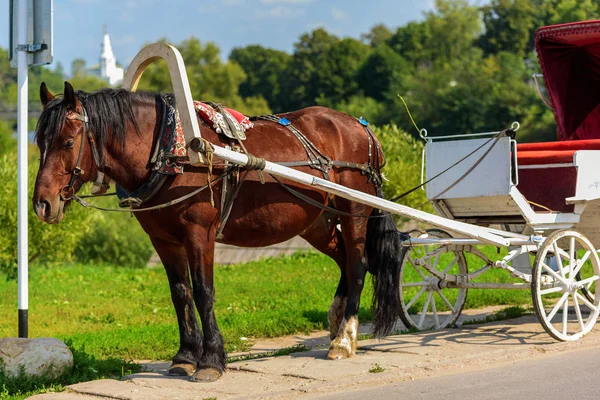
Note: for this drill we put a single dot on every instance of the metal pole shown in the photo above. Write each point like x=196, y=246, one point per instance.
x=22, y=170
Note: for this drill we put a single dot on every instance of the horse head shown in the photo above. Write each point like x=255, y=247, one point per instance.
x=66, y=162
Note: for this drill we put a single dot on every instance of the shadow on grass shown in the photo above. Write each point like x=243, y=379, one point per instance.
x=85, y=368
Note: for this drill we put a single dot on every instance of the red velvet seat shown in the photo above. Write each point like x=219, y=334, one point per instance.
x=555, y=177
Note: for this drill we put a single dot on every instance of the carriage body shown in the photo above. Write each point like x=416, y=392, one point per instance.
x=547, y=192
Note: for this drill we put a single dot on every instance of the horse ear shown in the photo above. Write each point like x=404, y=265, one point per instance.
x=45, y=95
x=70, y=100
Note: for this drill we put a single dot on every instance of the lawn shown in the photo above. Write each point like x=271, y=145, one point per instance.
x=127, y=313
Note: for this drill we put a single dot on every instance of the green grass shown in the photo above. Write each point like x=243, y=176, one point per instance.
x=127, y=313
x=376, y=369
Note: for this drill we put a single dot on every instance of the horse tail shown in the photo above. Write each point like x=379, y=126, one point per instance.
x=384, y=255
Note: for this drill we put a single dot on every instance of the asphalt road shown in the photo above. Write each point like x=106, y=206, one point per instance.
x=572, y=375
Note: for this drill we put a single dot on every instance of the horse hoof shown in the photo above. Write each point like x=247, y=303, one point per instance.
x=338, y=353
x=181, y=369
x=206, y=375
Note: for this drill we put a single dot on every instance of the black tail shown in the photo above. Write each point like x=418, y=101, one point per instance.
x=385, y=255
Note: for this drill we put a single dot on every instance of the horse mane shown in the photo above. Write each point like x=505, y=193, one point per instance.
x=108, y=110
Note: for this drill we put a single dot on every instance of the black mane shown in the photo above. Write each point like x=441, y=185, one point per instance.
x=108, y=110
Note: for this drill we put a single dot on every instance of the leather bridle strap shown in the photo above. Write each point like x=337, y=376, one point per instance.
x=67, y=192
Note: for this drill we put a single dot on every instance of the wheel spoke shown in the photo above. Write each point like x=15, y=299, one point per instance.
x=589, y=280
x=424, y=311
x=557, y=306
x=436, y=261
x=451, y=265
x=558, y=259
x=586, y=302
x=571, y=256
x=551, y=290
x=578, y=312
x=581, y=262
x=450, y=306
x=418, y=269
x=435, y=314
x=546, y=268
x=414, y=299
x=565, y=316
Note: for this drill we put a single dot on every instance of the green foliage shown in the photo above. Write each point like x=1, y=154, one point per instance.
x=383, y=69
x=403, y=168
x=8, y=143
x=47, y=243
x=264, y=70
x=86, y=367
x=508, y=25
x=323, y=66
x=116, y=239
x=83, y=234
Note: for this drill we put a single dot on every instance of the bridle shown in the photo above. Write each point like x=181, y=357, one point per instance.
x=68, y=191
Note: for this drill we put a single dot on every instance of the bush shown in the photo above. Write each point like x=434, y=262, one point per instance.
x=83, y=235
x=403, y=168
x=116, y=239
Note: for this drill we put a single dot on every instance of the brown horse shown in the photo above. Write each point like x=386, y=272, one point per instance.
x=123, y=127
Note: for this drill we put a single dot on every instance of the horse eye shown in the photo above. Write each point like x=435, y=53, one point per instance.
x=69, y=144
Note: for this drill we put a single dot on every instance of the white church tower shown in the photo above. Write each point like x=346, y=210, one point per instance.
x=108, y=62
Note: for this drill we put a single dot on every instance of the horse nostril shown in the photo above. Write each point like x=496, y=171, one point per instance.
x=43, y=209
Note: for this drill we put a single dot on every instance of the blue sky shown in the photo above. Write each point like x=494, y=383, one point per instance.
x=78, y=24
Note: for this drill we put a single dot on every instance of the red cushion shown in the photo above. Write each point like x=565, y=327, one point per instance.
x=590, y=144
x=553, y=152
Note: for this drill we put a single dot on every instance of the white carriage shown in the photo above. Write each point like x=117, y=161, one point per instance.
x=541, y=197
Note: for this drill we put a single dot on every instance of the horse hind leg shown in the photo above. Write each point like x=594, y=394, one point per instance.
x=324, y=236
x=354, y=231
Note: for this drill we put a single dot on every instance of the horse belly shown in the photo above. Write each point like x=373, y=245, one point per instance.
x=267, y=224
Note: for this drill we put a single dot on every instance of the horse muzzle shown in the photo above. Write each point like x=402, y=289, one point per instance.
x=48, y=213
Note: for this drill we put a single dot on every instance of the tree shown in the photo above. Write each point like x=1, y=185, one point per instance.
x=454, y=26
x=413, y=42
x=508, y=25
x=264, y=70
x=378, y=35
x=78, y=67
x=323, y=67
x=383, y=67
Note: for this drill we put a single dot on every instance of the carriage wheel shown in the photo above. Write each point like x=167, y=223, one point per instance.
x=425, y=302
x=565, y=300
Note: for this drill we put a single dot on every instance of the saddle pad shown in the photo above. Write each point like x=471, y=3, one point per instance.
x=172, y=148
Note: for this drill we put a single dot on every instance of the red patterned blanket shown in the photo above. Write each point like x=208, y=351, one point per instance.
x=172, y=145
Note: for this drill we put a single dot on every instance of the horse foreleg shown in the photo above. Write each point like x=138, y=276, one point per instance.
x=200, y=251
x=175, y=261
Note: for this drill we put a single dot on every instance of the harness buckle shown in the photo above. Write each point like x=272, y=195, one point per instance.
x=67, y=193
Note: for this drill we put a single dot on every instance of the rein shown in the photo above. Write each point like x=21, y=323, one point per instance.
x=158, y=206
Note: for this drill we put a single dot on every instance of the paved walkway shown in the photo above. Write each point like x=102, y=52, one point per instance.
x=309, y=375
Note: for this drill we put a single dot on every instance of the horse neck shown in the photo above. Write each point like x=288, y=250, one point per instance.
x=128, y=165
